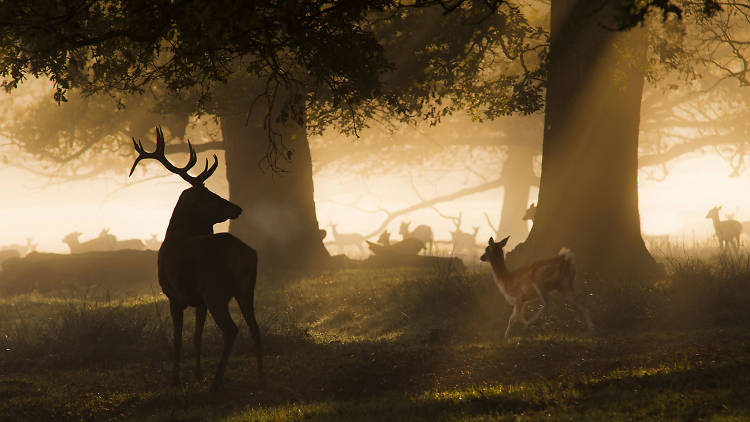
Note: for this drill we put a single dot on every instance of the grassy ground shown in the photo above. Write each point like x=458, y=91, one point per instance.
x=401, y=344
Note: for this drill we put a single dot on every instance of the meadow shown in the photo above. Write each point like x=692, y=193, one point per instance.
x=396, y=344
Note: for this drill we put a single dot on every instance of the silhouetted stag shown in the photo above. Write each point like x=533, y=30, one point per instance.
x=199, y=268
x=464, y=244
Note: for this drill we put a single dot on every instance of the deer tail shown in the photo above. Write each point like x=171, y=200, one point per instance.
x=569, y=263
x=569, y=256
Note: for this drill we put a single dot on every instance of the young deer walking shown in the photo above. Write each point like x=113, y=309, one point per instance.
x=533, y=282
x=199, y=268
x=727, y=231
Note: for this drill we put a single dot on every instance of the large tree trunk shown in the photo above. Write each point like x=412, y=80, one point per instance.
x=278, y=217
x=588, y=194
x=518, y=175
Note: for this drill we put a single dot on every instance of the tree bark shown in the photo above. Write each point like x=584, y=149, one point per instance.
x=518, y=174
x=588, y=194
x=278, y=218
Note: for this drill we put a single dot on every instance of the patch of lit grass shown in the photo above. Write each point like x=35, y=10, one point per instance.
x=398, y=344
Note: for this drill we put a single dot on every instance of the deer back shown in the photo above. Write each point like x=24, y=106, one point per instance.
x=728, y=228
x=194, y=267
x=548, y=275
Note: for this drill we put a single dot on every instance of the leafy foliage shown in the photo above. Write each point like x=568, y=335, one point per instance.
x=320, y=63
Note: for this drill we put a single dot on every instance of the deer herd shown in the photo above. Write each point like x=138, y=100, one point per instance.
x=205, y=270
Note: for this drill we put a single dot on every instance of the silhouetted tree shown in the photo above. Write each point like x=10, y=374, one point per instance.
x=286, y=62
x=273, y=72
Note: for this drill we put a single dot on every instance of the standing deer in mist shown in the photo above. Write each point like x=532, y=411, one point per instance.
x=532, y=282
x=422, y=232
x=342, y=240
x=464, y=244
x=727, y=231
x=199, y=268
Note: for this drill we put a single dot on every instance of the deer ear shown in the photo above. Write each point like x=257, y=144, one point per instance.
x=491, y=242
x=503, y=242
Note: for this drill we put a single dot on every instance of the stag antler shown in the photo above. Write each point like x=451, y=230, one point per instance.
x=159, y=156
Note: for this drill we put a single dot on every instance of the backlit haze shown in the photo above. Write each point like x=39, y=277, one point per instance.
x=46, y=210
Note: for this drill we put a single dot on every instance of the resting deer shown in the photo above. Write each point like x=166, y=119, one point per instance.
x=727, y=231
x=104, y=242
x=384, y=247
x=199, y=268
x=385, y=238
x=30, y=246
x=533, y=282
x=136, y=244
x=421, y=232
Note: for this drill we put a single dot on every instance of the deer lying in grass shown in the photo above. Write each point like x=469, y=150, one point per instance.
x=103, y=242
x=533, y=282
x=406, y=247
x=30, y=246
x=199, y=268
x=422, y=232
x=727, y=231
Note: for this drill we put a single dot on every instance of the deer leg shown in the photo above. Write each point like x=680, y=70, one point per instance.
x=200, y=320
x=248, y=312
x=521, y=317
x=513, y=318
x=220, y=312
x=177, y=311
x=544, y=303
x=581, y=309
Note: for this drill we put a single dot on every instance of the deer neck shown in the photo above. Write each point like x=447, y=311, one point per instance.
x=499, y=270
x=181, y=227
x=715, y=219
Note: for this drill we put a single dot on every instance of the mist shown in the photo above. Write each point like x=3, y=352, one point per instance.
x=357, y=210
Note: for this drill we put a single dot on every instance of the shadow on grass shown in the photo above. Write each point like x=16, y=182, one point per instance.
x=372, y=391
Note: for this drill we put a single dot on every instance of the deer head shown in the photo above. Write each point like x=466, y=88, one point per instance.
x=403, y=229
x=494, y=250
x=71, y=238
x=385, y=238
x=198, y=209
x=713, y=212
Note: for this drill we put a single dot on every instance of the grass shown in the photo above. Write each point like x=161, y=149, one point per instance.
x=399, y=344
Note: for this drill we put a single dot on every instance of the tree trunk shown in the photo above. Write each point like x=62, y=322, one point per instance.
x=518, y=174
x=588, y=194
x=278, y=217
